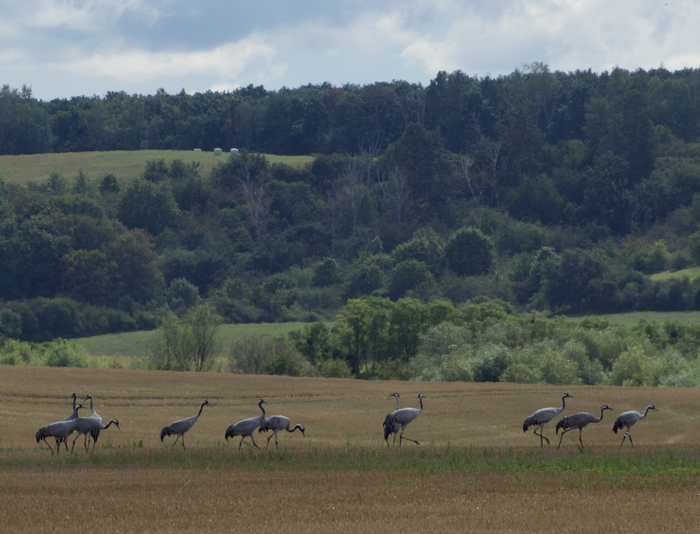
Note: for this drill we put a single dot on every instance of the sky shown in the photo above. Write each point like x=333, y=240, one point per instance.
x=64, y=48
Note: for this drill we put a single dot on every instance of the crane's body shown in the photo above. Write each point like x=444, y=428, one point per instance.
x=397, y=421
x=542, y=417
x=627, y=420
x=276, y=423
x=181, y=426
x=59, y=430
x=246, y=427
x=579, y=420
x=85, y=425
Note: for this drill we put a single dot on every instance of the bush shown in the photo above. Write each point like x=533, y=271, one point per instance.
x=335, y=369
x=62, y=353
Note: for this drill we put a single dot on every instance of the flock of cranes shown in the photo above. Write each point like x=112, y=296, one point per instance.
x=394, y=423
x=580, y=420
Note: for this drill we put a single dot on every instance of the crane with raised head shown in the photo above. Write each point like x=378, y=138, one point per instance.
x=543, y=416
x=246, y=427
x=389, y=425
x=579, y=420
x=74, y=414
x=59, y=430
x=398, y=420
x=94, y=434
x=83, y=426
x=181, y=426
x=276, y=423
x=627, y=420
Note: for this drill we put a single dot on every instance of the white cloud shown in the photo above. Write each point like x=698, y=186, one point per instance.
x=226, y=61
x=87, y=15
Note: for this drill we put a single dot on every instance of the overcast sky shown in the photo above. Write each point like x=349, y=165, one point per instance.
x=64, y=48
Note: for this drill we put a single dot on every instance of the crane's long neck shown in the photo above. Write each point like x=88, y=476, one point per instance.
x=420, y=400
x=299, y=427
x=601, y=416
x=262, y=415
x=75, y=411
x=200, y=409
x=397, y=402
x=110, y=424
x=563, y=403
x=645, y=412
x=74, y=397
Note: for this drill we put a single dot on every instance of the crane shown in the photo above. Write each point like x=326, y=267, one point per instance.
x=628, y=419
x=246, y=427
x=181, y=426
x=579, y=420
x=84, y=425
x=389, y=425
x=542, y=417
x=94, y=434
x=398, y=421
x=277, y=423
x=59, y=430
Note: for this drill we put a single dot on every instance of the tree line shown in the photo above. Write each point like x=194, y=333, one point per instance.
x=547, y=191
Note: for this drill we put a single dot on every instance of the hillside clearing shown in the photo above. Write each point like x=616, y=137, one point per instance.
x=125, y=165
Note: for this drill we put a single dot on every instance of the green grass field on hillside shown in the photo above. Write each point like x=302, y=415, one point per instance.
x=632, y=318
x=125, y=165
x=691, y=273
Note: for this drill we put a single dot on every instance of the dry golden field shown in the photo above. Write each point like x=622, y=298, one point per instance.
x=475, y=471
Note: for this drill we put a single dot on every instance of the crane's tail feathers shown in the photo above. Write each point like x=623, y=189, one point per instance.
x=167, y=431
x=617, y=425
x=42, y=434
x=94, y=434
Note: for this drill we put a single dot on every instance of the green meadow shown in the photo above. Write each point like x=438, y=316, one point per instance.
x=125, y=165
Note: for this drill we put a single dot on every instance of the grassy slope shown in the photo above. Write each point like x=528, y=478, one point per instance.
x=125, y=165
x=632, y=318
x=133, y=344
x=691, y=273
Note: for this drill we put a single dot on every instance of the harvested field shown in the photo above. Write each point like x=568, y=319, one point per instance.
x=476, y=471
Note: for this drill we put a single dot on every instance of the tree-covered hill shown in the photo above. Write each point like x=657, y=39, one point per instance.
x=548, y=191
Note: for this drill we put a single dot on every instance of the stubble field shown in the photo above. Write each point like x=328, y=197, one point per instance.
x=475, y=470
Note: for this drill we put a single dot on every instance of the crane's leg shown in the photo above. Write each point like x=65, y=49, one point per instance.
x=630, y=436
x=49, y=446
x=256, y=445
x=183, y=442
x=409, y=439
x=174, y=442
x=73, y=445
x=268, y=441
x=541, y=436
x=580, y=430
x=241, y=443
x=561, y=438
x=276, y=446
x=623, y=440
x=85, y=443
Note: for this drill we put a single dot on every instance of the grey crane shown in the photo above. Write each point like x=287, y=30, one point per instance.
x=181, y=426
x=94, y=434
x=277, y=423
x=389, y=425
x=59, y=430
x=246, y=427
x=398, y=421
x=628, y=419
x=542, y=417
x=83, y=425
x=579, y=420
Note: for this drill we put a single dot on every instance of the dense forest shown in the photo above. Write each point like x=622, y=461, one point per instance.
x=539, y=191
